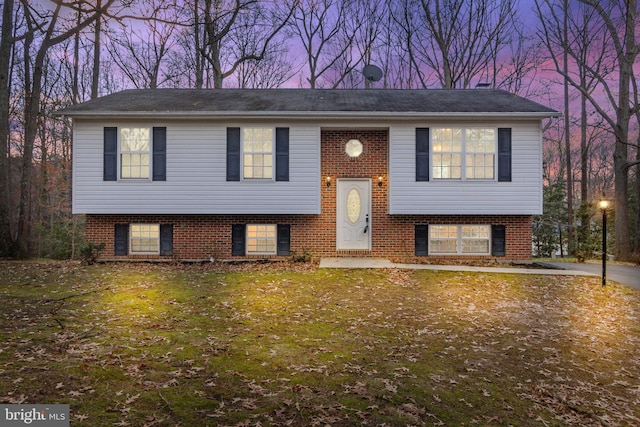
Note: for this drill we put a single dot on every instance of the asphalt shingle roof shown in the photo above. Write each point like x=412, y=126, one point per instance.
x=308, y=102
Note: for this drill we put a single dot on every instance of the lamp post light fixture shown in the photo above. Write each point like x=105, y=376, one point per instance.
x=603, y=204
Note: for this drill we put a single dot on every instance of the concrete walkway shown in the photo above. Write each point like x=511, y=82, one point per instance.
x=385, y=263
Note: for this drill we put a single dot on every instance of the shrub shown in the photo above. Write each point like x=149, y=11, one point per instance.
x=305, y=256
x=89, y=252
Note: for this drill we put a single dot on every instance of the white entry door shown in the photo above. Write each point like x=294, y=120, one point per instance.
x=353, y=214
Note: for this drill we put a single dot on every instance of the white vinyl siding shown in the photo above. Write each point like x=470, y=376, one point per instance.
x=195, y=174
x=521, y=196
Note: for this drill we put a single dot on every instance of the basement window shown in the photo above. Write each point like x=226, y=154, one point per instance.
x=459, y=239
x=145, y=238
x=261, y=239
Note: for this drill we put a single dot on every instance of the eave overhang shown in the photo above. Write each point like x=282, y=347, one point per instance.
x=308, y=115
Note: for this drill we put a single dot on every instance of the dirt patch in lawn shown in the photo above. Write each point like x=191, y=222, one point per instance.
x=273, y=344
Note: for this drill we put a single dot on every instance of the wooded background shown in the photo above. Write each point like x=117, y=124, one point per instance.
x=577, y=56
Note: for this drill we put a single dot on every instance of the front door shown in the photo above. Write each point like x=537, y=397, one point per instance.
x=353, y=214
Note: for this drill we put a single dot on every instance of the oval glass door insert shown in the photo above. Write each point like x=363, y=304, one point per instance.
x=354, y=205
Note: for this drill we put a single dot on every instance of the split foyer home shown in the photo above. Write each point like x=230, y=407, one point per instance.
x=420, y=175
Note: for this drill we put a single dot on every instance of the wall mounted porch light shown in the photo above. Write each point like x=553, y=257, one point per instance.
x=379, y=180
x=328, y=180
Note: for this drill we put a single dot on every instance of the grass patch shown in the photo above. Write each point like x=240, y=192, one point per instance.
x=156, y=345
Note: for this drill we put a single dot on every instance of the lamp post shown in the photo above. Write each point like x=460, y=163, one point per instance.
x=603, y=205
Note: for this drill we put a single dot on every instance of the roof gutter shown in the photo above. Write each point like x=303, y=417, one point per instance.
x=301, y=115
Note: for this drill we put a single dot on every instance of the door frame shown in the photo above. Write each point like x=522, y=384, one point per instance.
x=340, y=208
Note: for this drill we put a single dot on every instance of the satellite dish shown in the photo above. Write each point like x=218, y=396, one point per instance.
x=372, y=73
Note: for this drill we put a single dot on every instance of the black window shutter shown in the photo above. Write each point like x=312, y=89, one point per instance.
x=422, y=240
x=284, y=239
x=233, y=154
x=110, y=167
x=504, y=154
x=160, y=154
x=498, y=240
x=282, y=154
x=121, y=240
x=166, y=239
x=237, y=239
x=422, y=154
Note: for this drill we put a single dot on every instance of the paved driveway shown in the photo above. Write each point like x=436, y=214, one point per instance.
x=625, y=274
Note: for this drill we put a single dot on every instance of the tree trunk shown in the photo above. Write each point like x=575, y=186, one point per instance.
x=584, y=177
x=31, y=110
x=217, y=67
x=621, y=202
x=623, y=117
x=33, y=92
x=6, y=44
x=636, y=246
x=95, y=74
x=75, y=91
x=567, y=133
x=448, y=79
x=623, y=38
x=199, y=57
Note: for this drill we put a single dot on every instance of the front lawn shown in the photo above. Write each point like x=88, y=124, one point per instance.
x=157, y=345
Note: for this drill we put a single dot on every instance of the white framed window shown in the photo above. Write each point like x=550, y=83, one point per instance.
x=463, y=153
x=144, y=238
x=257, y=153
x=135, y=150
x=459, y=239
x=447, y=153
x=261, y=239
x=443, y=239
x=480, y=153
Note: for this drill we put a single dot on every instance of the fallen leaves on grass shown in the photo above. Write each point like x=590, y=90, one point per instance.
x=279, y=344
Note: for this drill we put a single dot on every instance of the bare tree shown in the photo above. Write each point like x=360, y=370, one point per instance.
x=97, y=35
x=6, y=44
x=367, y=20
x=53, y=28
x=636, y=243
x=139, y=54
x=567, y=134
x=220, y=18
x=320, y=27
x=403, y=26
x=456, y=39
x=274, y=69
x=75, y=79
x=189, y=47
x=591, y=41
x=615, y=106
x=517, y=70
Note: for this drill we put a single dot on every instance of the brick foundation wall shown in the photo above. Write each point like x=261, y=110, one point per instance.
x=199, y=237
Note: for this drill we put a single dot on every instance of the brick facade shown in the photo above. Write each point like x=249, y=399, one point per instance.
x=199, y=237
